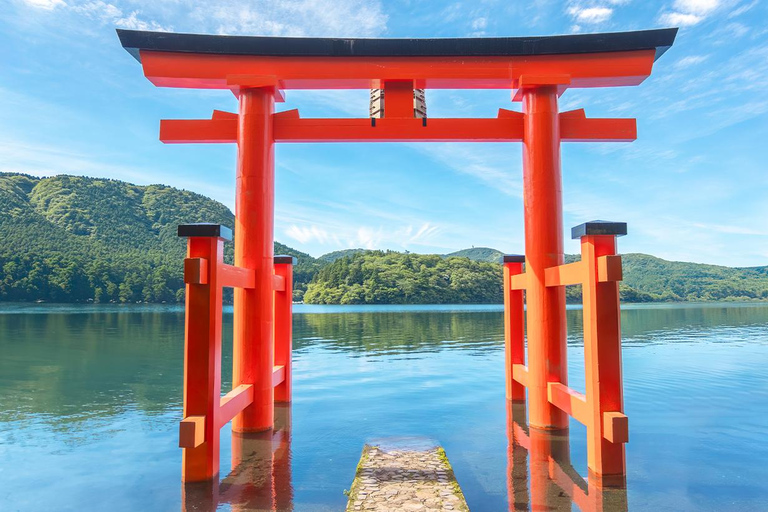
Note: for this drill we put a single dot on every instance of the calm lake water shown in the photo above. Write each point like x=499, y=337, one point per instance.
x=90, y=399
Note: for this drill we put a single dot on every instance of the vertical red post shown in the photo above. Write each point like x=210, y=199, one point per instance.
x=202, y=351
x=254, y=248
x=546, y=326
x=398, y=99
x=514, y=326
x=608, y=430
x=284, y=325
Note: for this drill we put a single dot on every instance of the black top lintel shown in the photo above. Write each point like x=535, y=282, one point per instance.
x=513, y=258
x=657, y=39
x=599, y=227
x=205, y=229
x=284, y=258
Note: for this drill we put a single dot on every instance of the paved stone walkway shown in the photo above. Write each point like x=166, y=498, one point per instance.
x=392, y=479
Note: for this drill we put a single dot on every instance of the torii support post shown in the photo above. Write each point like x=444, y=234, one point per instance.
x=205, y=410
x=601, y=408
x=608, y=429
x=198, y=431
x=514, y=327
x=253, y=354
x=543, y=249
x=283, y=325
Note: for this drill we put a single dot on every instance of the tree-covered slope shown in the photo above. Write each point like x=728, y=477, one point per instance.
x=478, y=254
x=74, y=239
x=376, y=277
x=69, y=238
x=335, y=255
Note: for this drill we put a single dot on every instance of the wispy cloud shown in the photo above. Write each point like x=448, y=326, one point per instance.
x=257, y=17
x=337, y=236
x=689, y=12
x=590, y=15
x=493, y=165
x=45, y=4
x=690, y=60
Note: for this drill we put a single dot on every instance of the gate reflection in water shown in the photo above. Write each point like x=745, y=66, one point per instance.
x=261, y=476
x=539, y=472
x=540, y=475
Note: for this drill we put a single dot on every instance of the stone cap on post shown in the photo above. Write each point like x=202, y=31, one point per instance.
x=205, y=229
x=283, y=258
x=599, y=227
x=513, y=258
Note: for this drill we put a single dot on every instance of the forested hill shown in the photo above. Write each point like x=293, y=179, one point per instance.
x=76, y=239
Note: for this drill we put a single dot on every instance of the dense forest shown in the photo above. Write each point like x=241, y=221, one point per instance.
x=77, y=239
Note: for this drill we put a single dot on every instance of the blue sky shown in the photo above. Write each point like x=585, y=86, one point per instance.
x=693, y=187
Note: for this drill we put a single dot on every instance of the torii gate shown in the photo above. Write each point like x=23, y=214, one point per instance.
x=538, y=69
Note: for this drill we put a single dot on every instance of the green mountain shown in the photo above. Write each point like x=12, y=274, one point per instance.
x=378, y=277
x=71, y=239
x=75, y=239
x=478, y=254
x=335, y=255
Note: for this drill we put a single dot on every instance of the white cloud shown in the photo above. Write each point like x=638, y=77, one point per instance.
x=689, y=12
x=294, y=18
x=340, y=18
x=362, y=236
x=701, y=7
x=490, y=165
x=304, y=234
x=736, y=29
x=590, y=14
x=479, y=23
x=48, y=5
x=425, y=232
x=741, y=10
x=691, y=60
x=679, y=19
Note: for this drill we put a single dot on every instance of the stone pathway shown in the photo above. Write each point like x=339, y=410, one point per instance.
x=405, y=479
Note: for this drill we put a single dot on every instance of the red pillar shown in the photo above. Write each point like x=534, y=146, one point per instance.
x=202, y=352
x=514, y=326
x=284, y=325
x=608, y=429
x=254, y=247
x=543, y=248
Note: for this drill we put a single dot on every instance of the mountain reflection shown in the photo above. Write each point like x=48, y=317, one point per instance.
x=96, y=363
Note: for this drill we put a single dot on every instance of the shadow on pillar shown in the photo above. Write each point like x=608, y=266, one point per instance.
x=551, y=483
x=261, y=473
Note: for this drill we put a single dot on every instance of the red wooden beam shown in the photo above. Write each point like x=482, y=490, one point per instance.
x=212, y=71
x=569, y=401
x=575, y=126
x=234, y=402
x=289, y=127
x=211, y=131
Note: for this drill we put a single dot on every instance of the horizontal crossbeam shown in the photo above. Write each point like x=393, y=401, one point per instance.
x=278, y=375
x=569, y=401
x=610, y=69
x=291, y=128
x=236, y=277
x=520, y=374
x=233, y=402
x=518, y=281
x=565, y=275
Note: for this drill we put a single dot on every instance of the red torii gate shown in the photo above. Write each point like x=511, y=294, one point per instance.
x=538, y=69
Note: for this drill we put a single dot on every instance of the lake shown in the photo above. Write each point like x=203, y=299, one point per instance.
x=90, y=399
